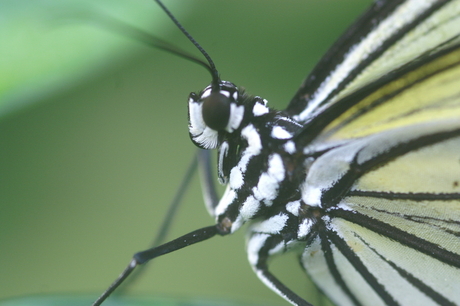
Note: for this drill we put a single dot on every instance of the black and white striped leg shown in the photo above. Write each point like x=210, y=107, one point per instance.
x=260, y=246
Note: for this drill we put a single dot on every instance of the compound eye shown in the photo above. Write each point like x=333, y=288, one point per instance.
x=216, y=111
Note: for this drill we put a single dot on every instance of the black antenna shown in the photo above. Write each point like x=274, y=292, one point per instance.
x=132, y=32
x=139, y=35
x=214, y=72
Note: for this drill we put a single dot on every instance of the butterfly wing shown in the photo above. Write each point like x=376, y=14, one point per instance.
x=390, y=111
x=390, y=234
x=389, y=35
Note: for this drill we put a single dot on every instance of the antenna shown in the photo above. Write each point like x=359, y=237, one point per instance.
x=139, y=35
x=214, y=72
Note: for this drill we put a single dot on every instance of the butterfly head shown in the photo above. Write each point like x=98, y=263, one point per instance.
x=213, y=113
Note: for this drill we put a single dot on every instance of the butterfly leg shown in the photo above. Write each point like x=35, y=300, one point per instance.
x=201, y=158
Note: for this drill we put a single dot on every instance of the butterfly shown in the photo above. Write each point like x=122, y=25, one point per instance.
x=359, y=175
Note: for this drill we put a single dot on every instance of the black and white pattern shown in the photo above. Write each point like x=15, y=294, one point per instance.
x=360, y=173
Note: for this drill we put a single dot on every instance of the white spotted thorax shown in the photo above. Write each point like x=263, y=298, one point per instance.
x=256, y=161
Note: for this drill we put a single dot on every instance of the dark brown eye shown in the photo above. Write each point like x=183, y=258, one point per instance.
x=216, y=111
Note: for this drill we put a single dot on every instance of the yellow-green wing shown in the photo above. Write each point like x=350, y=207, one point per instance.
x=392, y=218
x=387, y=38
x=388, y=171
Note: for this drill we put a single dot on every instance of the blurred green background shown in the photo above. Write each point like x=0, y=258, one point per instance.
x=94, y=141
